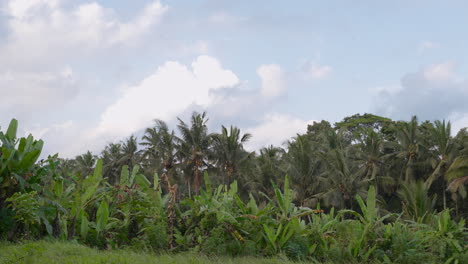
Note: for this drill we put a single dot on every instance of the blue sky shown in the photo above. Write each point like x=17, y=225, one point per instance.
x=83, y=73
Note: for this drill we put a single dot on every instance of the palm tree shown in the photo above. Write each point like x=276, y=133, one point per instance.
x=303, y=168
x=112, y=158
x=443, y=150
x=341, y=178
x=229, y=151
x=342, y=181
x=85, y=163
x=416, y=200
x=194, y=148
x=408, y=139
x=268, y=169
x=370, y=155
x=160, y=147
x=457, y=173
x=130, y=153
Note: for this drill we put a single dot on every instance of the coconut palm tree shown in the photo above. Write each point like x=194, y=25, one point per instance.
x=268, y=169
x=409, y=146
x=457, y=173
x=341, y=178
x=370, y=155
x=160, y=148
x=130, y=152
x=84, y=163
x=417, y=203
x=303, y=167
x=112, y=158
x=229, y=153
x=194, y=146
x=443, y=154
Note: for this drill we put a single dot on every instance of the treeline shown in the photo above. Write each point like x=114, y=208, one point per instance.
x=328, y=164
x=367, y=188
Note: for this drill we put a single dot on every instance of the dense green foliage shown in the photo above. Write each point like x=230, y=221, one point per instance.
x=368, y=189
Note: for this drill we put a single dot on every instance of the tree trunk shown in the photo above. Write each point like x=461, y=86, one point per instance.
x=71, y=230
x=444, y=195
x=56, y=230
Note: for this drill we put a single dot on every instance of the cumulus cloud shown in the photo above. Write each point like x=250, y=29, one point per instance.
x=443, y=72
x=434, y=92
x=44, y=37
x=40, y=30
x=164, y=94
x=275, y=129
x=273, y=80
x=37, y=90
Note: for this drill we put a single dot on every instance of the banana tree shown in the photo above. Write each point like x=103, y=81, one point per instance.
x=17, y=159
x=77, y=197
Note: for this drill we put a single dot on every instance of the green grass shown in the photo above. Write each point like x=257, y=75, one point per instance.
x=43, y=252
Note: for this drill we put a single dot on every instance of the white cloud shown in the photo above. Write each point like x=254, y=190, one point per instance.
x=164, y=94
x=275, y=129
x=440, y=72
x=37, y=90
x=42, y=37
x=273, y=80
x=40, y=30
x=39, y=132
x=434, y=92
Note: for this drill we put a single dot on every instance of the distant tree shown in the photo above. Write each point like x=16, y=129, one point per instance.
x=160, y=148
x=112, y=159
x=229, y=153
x=194, y=148
x=130, y=152
x=85, y=163
x=303, y=167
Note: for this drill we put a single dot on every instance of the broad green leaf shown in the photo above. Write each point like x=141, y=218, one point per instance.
x=29, y=159
x=12, y=129
x=84, y=227
x=371, y=204
x=124, y=174
x=102, y=216
x=142, y=181
x=135, y=170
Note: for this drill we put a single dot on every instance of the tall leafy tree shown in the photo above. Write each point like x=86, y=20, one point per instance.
x=268, y=169
x=112, y=159
x=303, y=167
x=409, y=146
x=160, y=147
x=130, y=152
x=370, y=154
x=194, y=146
x=341, y=178
x=85, y=163
x=229, y=152
x=443, y=154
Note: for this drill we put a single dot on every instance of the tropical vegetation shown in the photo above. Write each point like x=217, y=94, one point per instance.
x=366, y=189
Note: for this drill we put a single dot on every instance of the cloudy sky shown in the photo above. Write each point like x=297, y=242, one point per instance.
x=80, y=74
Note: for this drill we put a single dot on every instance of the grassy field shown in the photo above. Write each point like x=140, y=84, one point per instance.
x=42, y=252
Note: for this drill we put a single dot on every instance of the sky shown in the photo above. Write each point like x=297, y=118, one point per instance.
x=81, y=74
